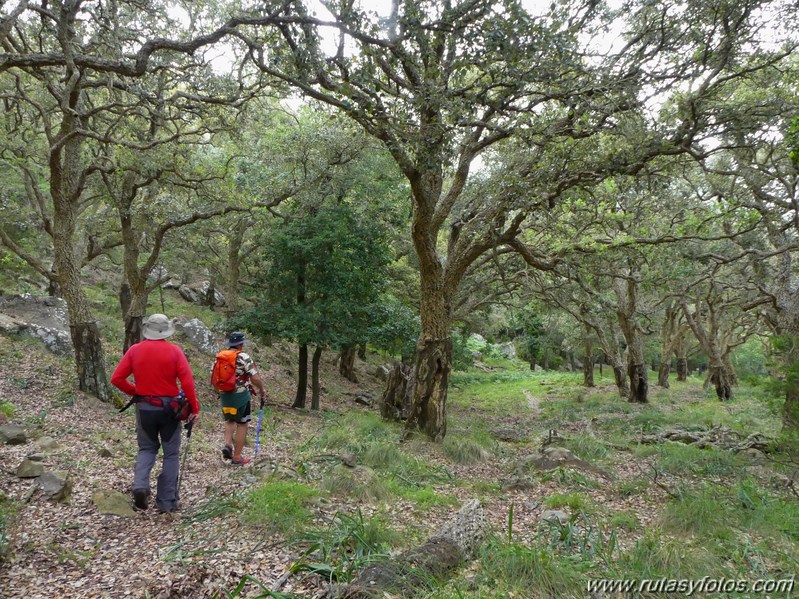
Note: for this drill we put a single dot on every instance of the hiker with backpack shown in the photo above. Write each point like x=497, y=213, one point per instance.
x=157, y=366
x=233, y=376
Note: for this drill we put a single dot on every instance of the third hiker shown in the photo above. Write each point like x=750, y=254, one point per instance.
x=234, y=374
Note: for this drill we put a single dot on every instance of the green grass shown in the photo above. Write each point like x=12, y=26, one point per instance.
x=700, y=512
x=532, y=571
x=658, y=556
x=8, y=510
x=280, y=506
x=424, y=498
x=7, y=409
x=344, y=545
x=361, y=484
x=628, y=520
x=586, y=447
x=578, y=502
x=568, y=477
x=677, y=458
x=463, y=450
x=632, y=487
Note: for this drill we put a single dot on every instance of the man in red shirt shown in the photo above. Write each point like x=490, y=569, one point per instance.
x=156, y=366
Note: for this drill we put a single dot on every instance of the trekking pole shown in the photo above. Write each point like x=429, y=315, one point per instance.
x=188, y=426
x=258, y=430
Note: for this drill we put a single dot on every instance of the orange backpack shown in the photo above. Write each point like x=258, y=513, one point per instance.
x=223, y=375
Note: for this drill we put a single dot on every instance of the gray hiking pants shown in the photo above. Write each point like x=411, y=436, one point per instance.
x=155, y=428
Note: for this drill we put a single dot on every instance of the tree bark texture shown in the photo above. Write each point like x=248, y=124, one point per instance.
x=65, y=168
x=682, y=368
x=315, y=386
x=639, y=384
x=620, y=377
x=722, y=382
x=588, y=365
x=346, y=363
x=627, y=291
x=396, y=398
x=431, y=377
x=704, y=322
x=663, y=374
x=302, y=376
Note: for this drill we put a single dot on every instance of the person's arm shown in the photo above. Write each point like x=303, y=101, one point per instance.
x=259, y=385
x=186, y=379
x=121, y=373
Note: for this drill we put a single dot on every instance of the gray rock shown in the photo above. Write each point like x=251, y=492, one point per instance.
x=158, y=273
x=538, y=368
x=13, y=434
x=364, y=399
x=188, y=294
x=114, y=503
x=199, y=335
x=30, y=469
x=349, y=459
x=548, y=459
x=382, y=372
x=36, y=457
x=202, y=292
x=105, y=453
x=476, y=355
x=57, y=485
x=508, y=349
x=171, y=284
x=518, y=483
x=478, y=338
x=558, y=516
x=46, y=443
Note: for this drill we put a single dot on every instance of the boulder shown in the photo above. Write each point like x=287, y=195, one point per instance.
x=158, y=273
x=30, y=469
x=13, y=434
x=507, y=349
x=382, y=372
x=44, y=318
x=46, y=443
x=57, y=485
x=548, y=459
x=558, y=516
x=188, y=294
x=114, y=503
x=199, y=335
x=202, y=291
x=365, y=399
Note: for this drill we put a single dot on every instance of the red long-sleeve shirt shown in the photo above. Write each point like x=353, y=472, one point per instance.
x=156, y=367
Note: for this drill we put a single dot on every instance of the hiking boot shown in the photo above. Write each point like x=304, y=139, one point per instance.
x=227, y=452
x=141, y=498
x=240, y=461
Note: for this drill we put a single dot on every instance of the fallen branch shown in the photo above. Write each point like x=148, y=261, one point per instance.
x=408, y=573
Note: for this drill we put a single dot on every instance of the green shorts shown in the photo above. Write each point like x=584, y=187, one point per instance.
x=236, y=407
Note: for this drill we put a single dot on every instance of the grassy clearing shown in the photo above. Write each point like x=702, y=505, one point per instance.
x=280, y=506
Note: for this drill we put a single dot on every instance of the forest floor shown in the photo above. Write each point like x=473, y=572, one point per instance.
x=334, y=489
